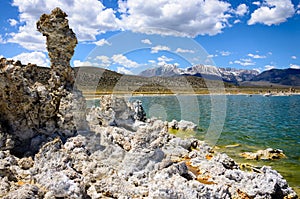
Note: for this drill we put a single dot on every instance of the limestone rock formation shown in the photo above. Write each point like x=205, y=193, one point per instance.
x=32, y=110
x=113, y=162
x=140, y=114
x=182, y=125
x=117, y=111
x=61, y=42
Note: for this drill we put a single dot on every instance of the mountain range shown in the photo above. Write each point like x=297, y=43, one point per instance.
x=242, y=77
x=229, y=75
x=171, y=78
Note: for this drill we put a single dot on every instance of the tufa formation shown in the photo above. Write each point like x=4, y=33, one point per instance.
x=61, y=42
x=33, y=110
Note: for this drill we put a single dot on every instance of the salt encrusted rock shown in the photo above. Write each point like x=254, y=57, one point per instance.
x=267, y=154
x=182, y=125
x=53, y=170
x=4, y=186
x=117, y=111
x=24, y=192
x=170, y=168
x=25, y=163
x=155, y=165
x=103, y=115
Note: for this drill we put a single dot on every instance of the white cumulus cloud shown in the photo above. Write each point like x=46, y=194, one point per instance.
x=12, y=22
x=294, y=57
x=146, y=41
x=163, y=60
x=210, y=56
x=123, y=70
x=28, y=38
x=256, y=3
x=152, y=61
x=124, y=61
x=102, y=42
x=37, y=58
x=176, y=17
x=256, y=56
x=225, y=53
x=104, y=61
x=241, y=10
x=90, y=18
x=180, y=50
x=87, y=18
x=237, y=21
x=157, y=48
x=272, y=12
x=244, y=62
x=78, y=63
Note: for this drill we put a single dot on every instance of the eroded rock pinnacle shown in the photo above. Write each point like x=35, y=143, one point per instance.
x=61, y=42
x=36, y=106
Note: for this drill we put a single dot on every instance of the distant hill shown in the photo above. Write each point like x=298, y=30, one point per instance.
x=241, y=77
x=230, y=75
x=107, y=81
x=91, y=78
x=276, y=77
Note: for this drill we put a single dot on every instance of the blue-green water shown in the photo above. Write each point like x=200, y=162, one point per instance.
x=255, y=123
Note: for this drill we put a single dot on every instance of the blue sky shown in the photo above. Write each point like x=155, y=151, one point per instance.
x=133, y=35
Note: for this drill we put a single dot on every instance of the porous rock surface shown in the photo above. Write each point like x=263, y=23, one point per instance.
x=61, y=42
x=117, y=111
x=112, y=162
x=182, y=125
x=108, y=159
x=267, y=154
x=31, y=110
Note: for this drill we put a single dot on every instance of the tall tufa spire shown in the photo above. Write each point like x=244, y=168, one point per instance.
x=61, y=42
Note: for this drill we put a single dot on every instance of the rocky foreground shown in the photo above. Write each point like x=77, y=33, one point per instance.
x=51, y=146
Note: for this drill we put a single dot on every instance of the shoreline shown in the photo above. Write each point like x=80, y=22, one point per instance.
x=276, y=164
x=98, y=95
x=234, y=149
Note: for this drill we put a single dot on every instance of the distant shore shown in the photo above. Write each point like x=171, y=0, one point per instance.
x=95, y=95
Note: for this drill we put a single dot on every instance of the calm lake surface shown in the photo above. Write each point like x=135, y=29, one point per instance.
x=254, y=122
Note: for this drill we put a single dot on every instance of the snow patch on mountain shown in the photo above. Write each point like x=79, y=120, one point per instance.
x=227, y=74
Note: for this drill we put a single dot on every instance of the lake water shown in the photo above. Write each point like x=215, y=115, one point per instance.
x=255, y=122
